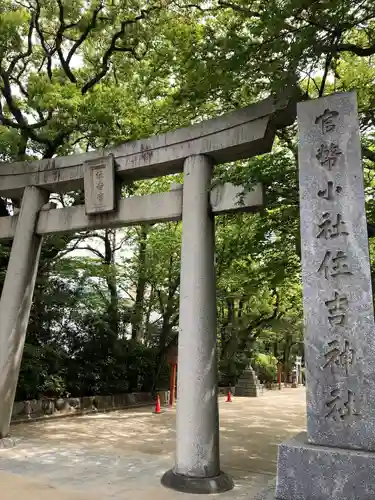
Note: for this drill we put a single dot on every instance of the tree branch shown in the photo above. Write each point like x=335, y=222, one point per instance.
x=161, y=303
x=56, y=143
x=47, y=50
x=105, y=64
x=261, y=321
x=85, y=34
x=59, y=40
x=238, y=8
x=335, y=42
x=65, y=252
x=349, y=47
x=17, y=79
x=93, y=250
x=15, y=110
x=28, y=52
x=327, y=65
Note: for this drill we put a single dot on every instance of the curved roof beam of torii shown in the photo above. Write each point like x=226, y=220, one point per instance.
x=233, y=136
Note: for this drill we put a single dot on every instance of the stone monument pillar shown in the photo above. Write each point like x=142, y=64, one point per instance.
x=336, y=458
x=16, y=299
x=197, y=468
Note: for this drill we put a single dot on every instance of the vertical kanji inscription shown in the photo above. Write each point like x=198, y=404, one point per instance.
x=337, y=295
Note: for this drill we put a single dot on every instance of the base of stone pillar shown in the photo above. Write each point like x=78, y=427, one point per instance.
x=7, y=442
x=202, y=485
x=306, y=471
x=268, y=493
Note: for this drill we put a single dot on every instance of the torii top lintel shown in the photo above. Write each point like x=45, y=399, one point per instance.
x=237, y=135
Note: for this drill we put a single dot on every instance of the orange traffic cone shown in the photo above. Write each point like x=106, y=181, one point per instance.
x=229, y=398
x=157, y=406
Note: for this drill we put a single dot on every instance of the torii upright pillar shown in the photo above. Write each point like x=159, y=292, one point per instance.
x=16, y=299
x=197, y=468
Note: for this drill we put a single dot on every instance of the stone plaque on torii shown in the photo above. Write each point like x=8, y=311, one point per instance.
x=193, y=150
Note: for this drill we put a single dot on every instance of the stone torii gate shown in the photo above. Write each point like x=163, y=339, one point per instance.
x=193, y=150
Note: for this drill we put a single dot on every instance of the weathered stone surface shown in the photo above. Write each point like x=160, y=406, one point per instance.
x=36, y=406
x=338, y=307
x=310, y=472
x=75, y=403
x=18, y=409
x=197, y=418
x=60, y=403
x=28, y=409
x=62, y=406
x=7, y=442
x=104, y=402
x=233, y=136
x=132, y=399
x=16, y=299
x=99, y=183
x=197, y=485
x=268, y=493
x=248, y=384
x=48, y=407
x=87, y=402
x=8, y=227
x=225, y=198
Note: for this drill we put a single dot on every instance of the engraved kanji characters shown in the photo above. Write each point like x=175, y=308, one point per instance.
x=337, y=309
x=331, y=229
x=334, y=266
x=328, y=154
x=341, y=405
x=326, y=120
x=338, y=356
x=99, y=174
x=99, y=178
x=329, y=192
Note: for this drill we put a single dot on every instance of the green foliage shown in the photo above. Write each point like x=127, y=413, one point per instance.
x=76, y=76
x=265, y=366
x=53, y=385
x=43, y=372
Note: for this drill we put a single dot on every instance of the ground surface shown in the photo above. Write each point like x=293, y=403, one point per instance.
x=122, y=455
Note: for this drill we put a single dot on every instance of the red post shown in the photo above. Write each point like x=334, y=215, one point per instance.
x=172, y=384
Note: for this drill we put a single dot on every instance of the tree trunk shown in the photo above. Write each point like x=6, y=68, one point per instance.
x=287, y=350
x=162, y=348
x=137, y=320
x=167, y=326
x=111, y=279
x=149, y=310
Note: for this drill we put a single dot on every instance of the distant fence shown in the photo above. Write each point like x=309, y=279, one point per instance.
x=24, y=411
x=35, y=409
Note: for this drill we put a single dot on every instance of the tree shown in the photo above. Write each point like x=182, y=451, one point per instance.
x=73, y=77
x=49, y=100
x=77, y=76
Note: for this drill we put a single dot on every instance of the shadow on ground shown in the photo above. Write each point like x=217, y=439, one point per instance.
x=250, y=430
